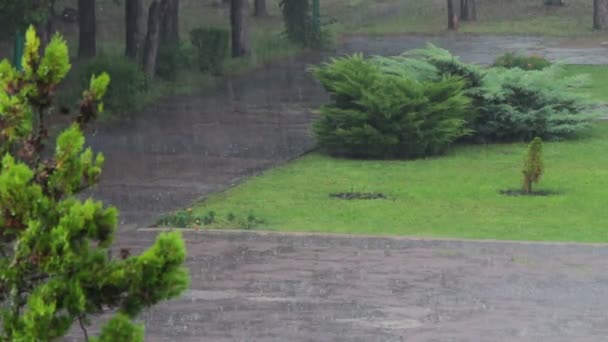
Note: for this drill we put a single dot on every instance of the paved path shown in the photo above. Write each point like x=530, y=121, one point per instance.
x=256, y=287
x=190, y=146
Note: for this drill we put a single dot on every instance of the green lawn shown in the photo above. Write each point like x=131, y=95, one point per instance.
x=598, y=89
x=456, y=195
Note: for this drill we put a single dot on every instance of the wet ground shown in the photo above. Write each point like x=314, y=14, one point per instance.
x=188, y=147
x=258, y=287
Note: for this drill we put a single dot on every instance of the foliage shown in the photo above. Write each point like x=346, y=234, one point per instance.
x=212, y=47
x=18, y=14
x=189, y=219
x=172, y=57
x=518, y=105
x=299, y=25
x=55, y=267
x=533, y=164
x=448, y=64
x=130, y=84
x=380, y=112
x=515, y=104
x=511, y=60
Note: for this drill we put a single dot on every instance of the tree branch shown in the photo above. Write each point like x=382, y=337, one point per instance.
x=84, y=329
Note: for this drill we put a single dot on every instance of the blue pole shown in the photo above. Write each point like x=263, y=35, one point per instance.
x=18, y=49
x=316, y=15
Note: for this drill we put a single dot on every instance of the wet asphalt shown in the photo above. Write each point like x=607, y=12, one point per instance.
x=249, y=286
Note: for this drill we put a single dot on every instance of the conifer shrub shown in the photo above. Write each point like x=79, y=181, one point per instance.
x=130, y=85
x=512, y=60
x=518, y=105
x=212, y=48
x=448, y=64
x=55, y=264
x=381, y=112
x=515, y=104
x=533, y=165
x=299, y=26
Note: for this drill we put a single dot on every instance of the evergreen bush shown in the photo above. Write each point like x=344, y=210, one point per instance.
x=299, y=26
x=212, y=48
x=512, y=60
x=515, y=104
x=518, y=105
x=379, y=112
x=533, y=164
x=55, y=267
x=130, y=85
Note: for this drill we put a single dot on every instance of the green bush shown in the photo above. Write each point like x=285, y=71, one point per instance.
x=173, y=57
x=514, y=104
x=57, y=269
x=447, y=64
x=518, y=105
x=378, y=111
x=127, y=91
x=299, y=26
x=212, y=48
x=512, y=60
x=533, y=164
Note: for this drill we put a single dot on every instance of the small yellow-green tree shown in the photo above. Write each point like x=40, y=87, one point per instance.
x=54, y=264
x=533, y=164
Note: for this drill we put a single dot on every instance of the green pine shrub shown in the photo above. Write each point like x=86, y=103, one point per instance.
x=448, y=64
x=126, y=94
x=168, y=61
x=515, y=104
x=299, y=26
x=56, y=269
x=173, y=57
x=518, y=105
x=512, y=60
x=212, y=45
x=533, y=164
x=380, y=112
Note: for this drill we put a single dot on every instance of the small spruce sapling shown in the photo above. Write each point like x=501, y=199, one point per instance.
x=533, y=164
x=55, y=269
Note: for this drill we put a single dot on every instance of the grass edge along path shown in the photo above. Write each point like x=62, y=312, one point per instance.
x=456, y=195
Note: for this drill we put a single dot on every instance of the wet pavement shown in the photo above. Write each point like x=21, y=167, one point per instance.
x=187, y=147
x=274, y=287
x=250, y=286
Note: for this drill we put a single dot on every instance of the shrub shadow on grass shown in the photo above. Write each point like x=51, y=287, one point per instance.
x=519, y=192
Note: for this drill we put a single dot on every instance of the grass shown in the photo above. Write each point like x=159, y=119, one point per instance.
x=456, y=195
x=598, y=89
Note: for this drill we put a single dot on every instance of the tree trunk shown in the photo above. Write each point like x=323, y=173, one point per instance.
x=152, y=39
x=452, y=16
x=600, y=14
x=260, y=8
x=169, y=30
x=46, y=27
x=239, y=27
x=87, y=45
x=554, y=2
x=468, y=10
x=134, y=10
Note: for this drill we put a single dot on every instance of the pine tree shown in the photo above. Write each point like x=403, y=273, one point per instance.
x=533, y=164
x=55, y=268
